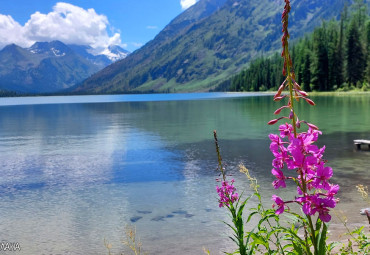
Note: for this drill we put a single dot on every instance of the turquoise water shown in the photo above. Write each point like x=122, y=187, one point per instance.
x=76, y=170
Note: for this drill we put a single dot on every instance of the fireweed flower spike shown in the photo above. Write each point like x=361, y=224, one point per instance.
x=227, y=194
x=297, y=151
x=230, y=199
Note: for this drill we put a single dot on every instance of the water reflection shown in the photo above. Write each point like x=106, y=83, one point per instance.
x=76, y=173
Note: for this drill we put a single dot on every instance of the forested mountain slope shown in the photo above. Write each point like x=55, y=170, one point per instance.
x=208, y=43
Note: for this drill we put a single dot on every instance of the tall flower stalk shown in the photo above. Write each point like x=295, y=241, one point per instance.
x=296, y=151
x=229, y=198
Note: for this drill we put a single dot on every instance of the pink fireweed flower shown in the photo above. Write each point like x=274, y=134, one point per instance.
x=333, y=190
x=302, y=155
x=297, y=151
x=280, y=204
x=227, y=193
x=323, y=174
x=285, y=130
x=280, y=178
x=321, y=206
x=314, y=131
x=307, y=203
x=278, y=161
x=277, y=145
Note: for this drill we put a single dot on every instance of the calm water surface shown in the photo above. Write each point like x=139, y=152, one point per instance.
x=76, y=170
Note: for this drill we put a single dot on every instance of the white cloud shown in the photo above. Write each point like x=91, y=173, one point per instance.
x=151, y=27
x=11, y=32
x=68, y=23
x=187, y=3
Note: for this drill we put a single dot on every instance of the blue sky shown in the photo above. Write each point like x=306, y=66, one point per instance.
x=98, y=23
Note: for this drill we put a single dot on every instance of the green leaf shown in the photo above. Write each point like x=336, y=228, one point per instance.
x=297, y=248
x=322, y=240
x=257, y=195
x=235, y=230
x=250, y=216
x=331, y=246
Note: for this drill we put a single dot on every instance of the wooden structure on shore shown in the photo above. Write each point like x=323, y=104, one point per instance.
x=358, y=143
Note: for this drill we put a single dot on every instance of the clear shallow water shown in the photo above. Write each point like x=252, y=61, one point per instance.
x=76, y=170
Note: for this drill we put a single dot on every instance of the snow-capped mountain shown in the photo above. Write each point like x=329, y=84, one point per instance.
x=47, y=67
x=115, y=52
x=51, y=49
x=101, y=58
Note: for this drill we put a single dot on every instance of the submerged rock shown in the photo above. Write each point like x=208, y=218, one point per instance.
x=158, y=218
x=180, y=212
x=144, y=212
x=135, y=219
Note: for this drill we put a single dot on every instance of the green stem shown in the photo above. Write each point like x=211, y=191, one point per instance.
x=238, y=223
x=312, y=232
x=290, y=88
x=268, y=222
x=219, y=158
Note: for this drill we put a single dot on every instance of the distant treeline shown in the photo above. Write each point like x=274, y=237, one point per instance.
x=5, y=93
x=335, y=56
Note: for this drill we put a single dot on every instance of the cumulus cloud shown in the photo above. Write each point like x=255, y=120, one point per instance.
x=68, y=23
x=11, y=32
x=187, y=3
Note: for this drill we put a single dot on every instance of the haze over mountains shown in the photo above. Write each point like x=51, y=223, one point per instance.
x=198, y=50
x=47, y=67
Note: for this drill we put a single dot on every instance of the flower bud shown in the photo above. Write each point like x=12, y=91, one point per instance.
x=272, y=122
x=278, y=98
x=298, y=123
x=279, y=110
x=303, y=93
x=312, y=126
x=291, y=115
x=310, y=101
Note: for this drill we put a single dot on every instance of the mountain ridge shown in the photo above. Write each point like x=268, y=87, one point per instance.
x=48, y=67
x=209, y=49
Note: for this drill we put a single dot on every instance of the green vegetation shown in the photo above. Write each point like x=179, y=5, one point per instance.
x=202, y=48
x=5, y=93
x=334, y=57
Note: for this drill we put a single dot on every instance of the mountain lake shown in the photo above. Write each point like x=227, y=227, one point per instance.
x=77, y=170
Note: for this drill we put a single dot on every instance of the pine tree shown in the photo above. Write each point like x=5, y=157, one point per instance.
x=339, y=53
x=355, y=55
x=333, y=58
x=368, y=51
x=320, y=72
x=306, y=74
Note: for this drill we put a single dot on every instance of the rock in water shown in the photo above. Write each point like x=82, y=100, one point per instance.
x=135, y=219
